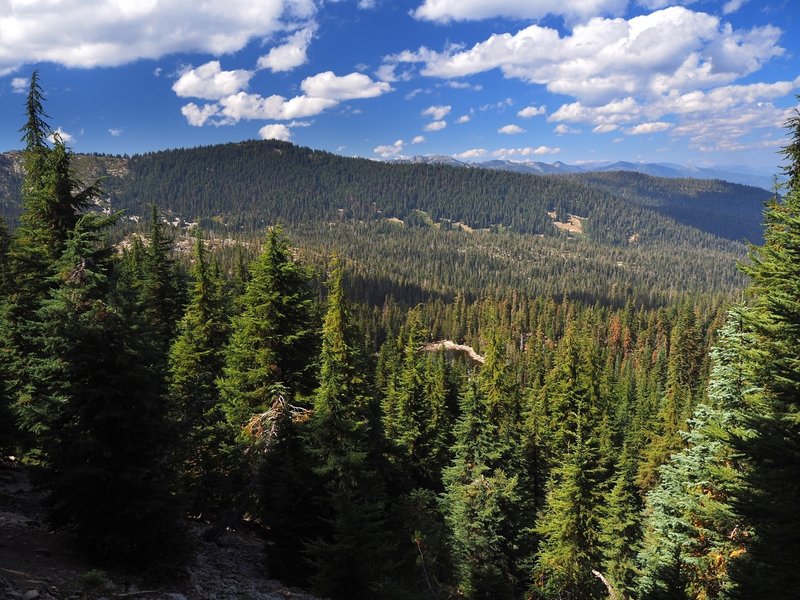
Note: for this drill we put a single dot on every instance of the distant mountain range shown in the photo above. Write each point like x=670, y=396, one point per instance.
x=735, y=174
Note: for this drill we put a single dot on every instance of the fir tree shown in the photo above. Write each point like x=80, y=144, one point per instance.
x=106, y=432
x=693, y=530
x=272, y=339
x=350, y=559
x=477, y=501
x=161, y=285
x=195, y=364
x=620, y=526
x=772, y=503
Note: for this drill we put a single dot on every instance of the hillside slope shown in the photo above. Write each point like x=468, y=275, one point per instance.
x=439, y=228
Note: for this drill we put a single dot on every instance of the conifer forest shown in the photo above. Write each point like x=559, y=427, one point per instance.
x=408, y=379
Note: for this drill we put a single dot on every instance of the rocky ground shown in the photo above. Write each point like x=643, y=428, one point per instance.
x=37, y=564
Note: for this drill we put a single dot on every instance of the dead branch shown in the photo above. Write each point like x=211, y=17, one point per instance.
x=612, y=593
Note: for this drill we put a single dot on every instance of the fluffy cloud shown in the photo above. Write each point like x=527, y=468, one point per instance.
x=645, y=128
x=674, y=48
x=511, y=129
x=437, y=113
x=210, y=82
x=562, y=129
x=329, y=86
x=463, y=119
x=322, y=91
x=291, y=54
x=93, y=33
x=722, y=118
x=254, y=106
x=528, y=151
x=275, y=131
x=197, y=116
x=418, y=139
x=472, y=10
x=62, y=135
x=19, y=85
x=435, y=126
x=391, y=150
x=473, y=153
x=115, y=132
x=531, y=111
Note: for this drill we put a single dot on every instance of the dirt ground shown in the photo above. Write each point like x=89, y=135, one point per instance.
x=38, y=564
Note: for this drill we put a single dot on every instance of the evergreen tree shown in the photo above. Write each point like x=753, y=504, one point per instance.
x=620, y=526
x=772, y=503
x=195, y=364
x=351, y=558
x=693, y=530
x=477, y=500
x=485, y=507
x=161, y=285
x=52, y=202
x=569, y=526
x=272, y=339
x=106, y=433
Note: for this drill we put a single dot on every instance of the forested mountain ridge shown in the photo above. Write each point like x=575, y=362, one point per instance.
x=434, y=230
x=248, y=184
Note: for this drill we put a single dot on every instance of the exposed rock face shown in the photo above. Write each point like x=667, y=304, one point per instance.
x=37, y=564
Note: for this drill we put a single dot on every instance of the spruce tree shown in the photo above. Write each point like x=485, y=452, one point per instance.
x=195, y=364
x=773, y=502
x=694, y=532
x=569, y=525
x=105, y=433
x=485, y=507
x=161, y=285
x=350, y=559
x=272, y=339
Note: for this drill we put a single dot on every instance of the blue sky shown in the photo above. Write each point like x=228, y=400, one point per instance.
x=688, y=81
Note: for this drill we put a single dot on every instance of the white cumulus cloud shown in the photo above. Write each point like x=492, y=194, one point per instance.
x=472, y=10
x=675, y=48
x=115, y=132
x=291, y=54
x=435, y=126
x=527, y=151
x=210, y=82
x=390, y=150
x=463, y=119
x=92, y=33
x=62, y=135
x=437, y=113
x=197, y=116
x=322, y=91
x=418, y=139
x=347, y=87
x=719, y=118
x=472, y=153
x=254, y=106
x=532, y=111
x=562, y=129
x=275, y=131
x=511, y=130
x=19, y=85
x=645, y=128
